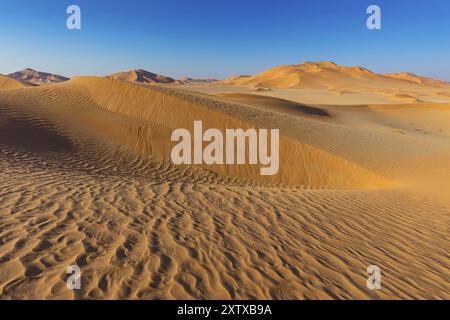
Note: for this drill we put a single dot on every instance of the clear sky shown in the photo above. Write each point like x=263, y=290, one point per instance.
x=218, y=38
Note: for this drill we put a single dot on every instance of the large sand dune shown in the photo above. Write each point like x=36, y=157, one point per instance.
x=327, y=82
x=86, y=179
x=37, y=77
x=328, y=75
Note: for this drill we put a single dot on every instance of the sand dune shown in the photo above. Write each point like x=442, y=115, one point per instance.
x=330, y=76
x=329, y=83
x=154, y=110
x=37, y=77
x=142, y=76
x=86, y=179
x=275, y=104
x=9, y=83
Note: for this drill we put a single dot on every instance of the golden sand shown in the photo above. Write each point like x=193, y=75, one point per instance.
x=86, y=179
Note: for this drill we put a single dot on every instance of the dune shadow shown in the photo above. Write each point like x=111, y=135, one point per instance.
x=28, y=134
x=277, y=104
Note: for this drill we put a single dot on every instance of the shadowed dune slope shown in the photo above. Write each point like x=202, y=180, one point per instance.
x=277, y=104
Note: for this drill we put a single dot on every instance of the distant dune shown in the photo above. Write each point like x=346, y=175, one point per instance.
x=142, y=76
x=330, y=76
x=37, y=77
x=191, y=81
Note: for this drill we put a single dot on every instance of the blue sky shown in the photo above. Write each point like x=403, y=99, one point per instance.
x=218, y=38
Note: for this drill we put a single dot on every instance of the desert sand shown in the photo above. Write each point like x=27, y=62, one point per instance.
x=329, y=83
x=86, y=179
x=10, y=83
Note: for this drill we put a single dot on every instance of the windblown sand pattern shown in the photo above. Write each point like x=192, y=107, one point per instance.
x=86, y=179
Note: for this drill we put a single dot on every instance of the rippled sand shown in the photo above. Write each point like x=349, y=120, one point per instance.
x=86, y=180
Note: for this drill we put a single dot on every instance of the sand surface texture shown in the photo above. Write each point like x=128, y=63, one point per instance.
x=86, y=179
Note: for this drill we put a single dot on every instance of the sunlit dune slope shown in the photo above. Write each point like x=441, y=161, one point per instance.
x=142, y=119
x=409, y=76
x=330, y=76
x=7, y=83
x=400, y=142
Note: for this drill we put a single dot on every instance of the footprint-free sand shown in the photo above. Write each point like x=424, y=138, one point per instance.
x=86, y=179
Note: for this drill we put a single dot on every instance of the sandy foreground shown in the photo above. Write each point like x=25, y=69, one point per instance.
x=86, y=179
